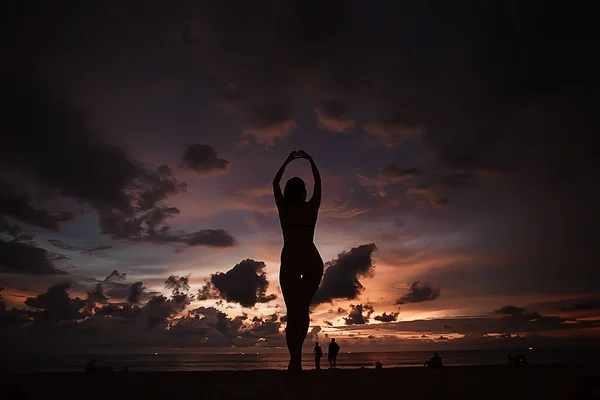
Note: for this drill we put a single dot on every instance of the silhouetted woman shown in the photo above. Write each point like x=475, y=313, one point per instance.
x=301, y=264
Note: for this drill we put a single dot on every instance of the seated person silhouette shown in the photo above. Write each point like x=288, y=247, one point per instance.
x=517, y=360
x=91, y=366
x=434, y=362
x=301, y=264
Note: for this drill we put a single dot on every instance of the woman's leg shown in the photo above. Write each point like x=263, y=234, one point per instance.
x=290, y=287
x=298, y=293
x=309, y=284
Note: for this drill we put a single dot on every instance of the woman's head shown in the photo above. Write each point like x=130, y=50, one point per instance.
x=295, y=190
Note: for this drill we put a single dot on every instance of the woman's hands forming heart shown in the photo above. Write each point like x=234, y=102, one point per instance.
x=298, y=154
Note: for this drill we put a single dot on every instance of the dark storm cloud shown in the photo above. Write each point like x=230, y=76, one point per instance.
x=155, y=325
x=584, y=306
x=393, y=316
x=217, y=329
x=419, y=293
x=135, y=292
x=121, y=314
x=115, y=287
x=266, y=326
x=157, y=313
x=95, y=250
x=510, y=310
x=160, y=309
x=206, y=237
x=334, y=117
x=19, y=207
x=266, y=120
x=506, y=319
x=178, y=284
x=441, y=66
x=357, y=315
x=26, y=258
x=521, y=314
x=593, y=304
x=127, y=195
x=61, y=321
x=116, y=276
x=246, y=283
x=10, y=229
x=203, y=159
x=56, y=304
x=96, y=295
x=341, y=277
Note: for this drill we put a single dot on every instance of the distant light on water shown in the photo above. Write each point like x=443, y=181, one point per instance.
x=531, y=348
x=155, y=354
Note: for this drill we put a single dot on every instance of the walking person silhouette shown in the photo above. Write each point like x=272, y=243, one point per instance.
x=318, y=353
x=301, y=264
x=332, y=353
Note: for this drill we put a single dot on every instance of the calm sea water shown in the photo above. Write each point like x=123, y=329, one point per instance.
x=222, y=362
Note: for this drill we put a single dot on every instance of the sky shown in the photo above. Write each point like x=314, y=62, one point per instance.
x=454, y=139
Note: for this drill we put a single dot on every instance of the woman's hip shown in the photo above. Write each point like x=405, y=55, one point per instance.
x=295, y=254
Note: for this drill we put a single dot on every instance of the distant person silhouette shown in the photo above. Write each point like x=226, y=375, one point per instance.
x=301, y=264
x=434, y=362
x=91, y=366
x=318, y=352
x=332, y=353
x=378, y=365
x=517, y=360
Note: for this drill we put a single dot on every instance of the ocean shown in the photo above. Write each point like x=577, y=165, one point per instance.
x=252, y=361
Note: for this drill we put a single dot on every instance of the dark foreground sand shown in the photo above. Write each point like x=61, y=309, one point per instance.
x=490, y=382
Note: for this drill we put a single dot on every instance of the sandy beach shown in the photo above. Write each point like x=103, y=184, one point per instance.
x=530, y=382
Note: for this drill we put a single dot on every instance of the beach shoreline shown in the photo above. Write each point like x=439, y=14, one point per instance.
x=548, y=381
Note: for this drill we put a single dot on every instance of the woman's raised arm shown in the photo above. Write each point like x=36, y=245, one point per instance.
x=279, y=175
x=316, y=198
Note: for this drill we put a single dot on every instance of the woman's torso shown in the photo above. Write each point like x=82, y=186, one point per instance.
x=298, y=225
